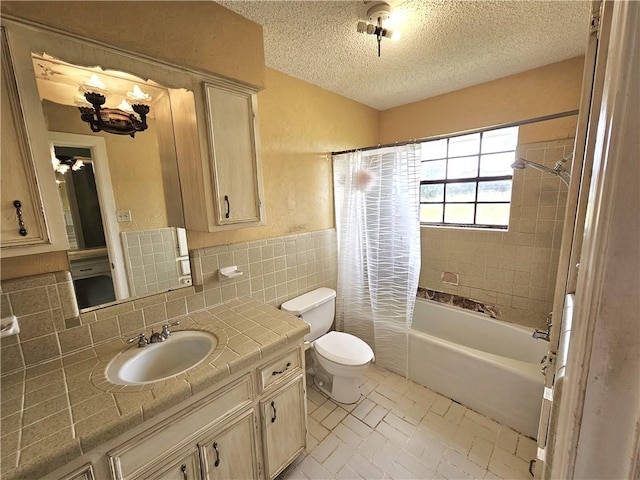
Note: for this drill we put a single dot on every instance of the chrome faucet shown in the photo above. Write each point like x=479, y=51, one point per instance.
x=544, y=334
x=155, y=337
x=141, y=339
x=166, y=329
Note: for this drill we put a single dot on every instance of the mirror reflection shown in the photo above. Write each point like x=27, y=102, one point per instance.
x=112, y=186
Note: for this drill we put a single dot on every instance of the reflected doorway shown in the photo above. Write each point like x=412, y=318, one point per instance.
x=90, y=269
x=86, y=197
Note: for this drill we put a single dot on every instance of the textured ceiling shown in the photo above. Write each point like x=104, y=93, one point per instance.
x=446, y=44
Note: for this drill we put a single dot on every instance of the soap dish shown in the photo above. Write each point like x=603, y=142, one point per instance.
x=9, y=326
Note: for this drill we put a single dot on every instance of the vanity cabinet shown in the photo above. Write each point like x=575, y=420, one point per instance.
x=232, y=433
x=230, y=452
x=83, y=473
x=184, y=467
x=283, y=426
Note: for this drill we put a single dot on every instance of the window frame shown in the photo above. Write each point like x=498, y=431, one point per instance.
x=477, y=179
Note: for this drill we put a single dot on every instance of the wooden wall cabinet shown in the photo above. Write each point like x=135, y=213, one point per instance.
x=27, y=177
x=222, y=188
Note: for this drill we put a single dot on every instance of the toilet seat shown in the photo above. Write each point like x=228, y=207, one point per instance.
x=343, y=348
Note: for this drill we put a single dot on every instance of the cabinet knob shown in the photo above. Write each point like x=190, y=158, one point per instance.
x=183, y=469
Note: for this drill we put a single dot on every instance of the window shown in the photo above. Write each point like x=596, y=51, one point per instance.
x=466, y=180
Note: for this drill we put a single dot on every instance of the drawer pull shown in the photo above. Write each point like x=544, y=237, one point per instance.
x=276, y=372
x=18, y=206
x=183, y=469
x=273, y=405
x=215, y=447
x=226, y=199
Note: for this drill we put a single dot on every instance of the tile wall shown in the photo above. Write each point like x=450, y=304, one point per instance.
x=274, y=270
x=514, y=270
x=151, y=260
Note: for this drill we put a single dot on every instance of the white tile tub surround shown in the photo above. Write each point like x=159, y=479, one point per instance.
x=489, y=365
x=403, y=430
x=514, y=270
x=274, y=269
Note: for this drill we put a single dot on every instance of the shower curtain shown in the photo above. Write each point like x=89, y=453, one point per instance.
x=377, y=220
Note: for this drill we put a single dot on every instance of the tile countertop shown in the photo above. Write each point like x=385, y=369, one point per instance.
x=56, y=411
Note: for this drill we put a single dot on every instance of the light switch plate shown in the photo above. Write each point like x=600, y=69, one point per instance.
x=123, y=215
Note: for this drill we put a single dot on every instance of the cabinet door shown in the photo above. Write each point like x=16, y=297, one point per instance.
x=185, y=468
x=27, y=177
x=18, y=174
x=83, y=473
x=230, y=452
x=283, y=426
x=231, y=113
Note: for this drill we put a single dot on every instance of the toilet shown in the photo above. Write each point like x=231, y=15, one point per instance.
x=338, y=359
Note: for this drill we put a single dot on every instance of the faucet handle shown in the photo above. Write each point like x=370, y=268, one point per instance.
x=141, y=339
x=166, y=329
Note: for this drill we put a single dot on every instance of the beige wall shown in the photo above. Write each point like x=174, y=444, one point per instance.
x=542, y=91
x=300, y=125
x=202, y=35
x=134, y=165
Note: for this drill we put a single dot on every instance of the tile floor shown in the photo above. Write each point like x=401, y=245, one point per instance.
x=402, y=430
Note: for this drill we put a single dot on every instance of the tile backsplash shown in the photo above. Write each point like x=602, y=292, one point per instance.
x=274, y=270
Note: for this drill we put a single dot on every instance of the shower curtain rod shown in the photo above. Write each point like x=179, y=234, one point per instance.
x=553, y=116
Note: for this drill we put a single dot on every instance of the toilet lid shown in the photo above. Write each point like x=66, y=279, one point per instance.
x=343, y=348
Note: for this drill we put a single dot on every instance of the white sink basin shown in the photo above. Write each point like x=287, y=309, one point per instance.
x=158, y=361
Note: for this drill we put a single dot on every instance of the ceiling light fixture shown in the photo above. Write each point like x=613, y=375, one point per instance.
x=378, y=14
x=119, y=120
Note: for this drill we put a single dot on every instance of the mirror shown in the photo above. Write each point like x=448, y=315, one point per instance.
x=120, y=223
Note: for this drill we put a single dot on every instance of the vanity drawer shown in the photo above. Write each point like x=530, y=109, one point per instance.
x=279, y=368
x=90, y=267
x=137, y=455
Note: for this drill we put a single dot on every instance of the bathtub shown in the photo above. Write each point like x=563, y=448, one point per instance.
x=489, y=366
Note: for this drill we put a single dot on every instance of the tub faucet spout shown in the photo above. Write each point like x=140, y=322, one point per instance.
x=544, y=334
x=541, y=334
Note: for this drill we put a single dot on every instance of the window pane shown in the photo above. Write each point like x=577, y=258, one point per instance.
x=431, y=213
x=493, y=214
x=434, y=149
x=496, y=164
x=434, y=170
x=500, y=140
x=432, y=193
x=464, y=145
x=458, y=213
x=461, y=192
x=498, y=191
x=463, y=167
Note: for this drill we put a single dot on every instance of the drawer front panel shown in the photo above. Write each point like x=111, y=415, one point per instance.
x=279, y=369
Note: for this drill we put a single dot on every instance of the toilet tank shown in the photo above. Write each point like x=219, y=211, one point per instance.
x=316, y=307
